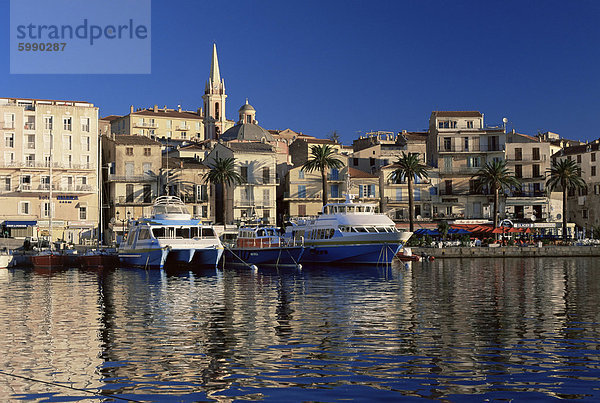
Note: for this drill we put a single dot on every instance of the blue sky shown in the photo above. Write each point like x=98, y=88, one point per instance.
x=356, y=66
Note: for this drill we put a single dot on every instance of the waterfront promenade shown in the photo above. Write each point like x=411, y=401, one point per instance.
x=508, y=251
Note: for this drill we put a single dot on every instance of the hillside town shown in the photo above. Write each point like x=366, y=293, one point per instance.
x=110, y=169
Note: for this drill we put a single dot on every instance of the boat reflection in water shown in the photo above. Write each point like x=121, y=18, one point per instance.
x=348, y=233
x=170, y=237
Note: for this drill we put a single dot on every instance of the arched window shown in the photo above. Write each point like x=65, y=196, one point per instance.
x=217, y=110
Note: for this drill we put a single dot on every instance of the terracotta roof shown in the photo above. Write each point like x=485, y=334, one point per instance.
x=580, y=149
x=420, y=136
x=135, y=141
x=357, y=173
x=189, y=163
x=457, y=114
x=110, y=118
x=170, y=113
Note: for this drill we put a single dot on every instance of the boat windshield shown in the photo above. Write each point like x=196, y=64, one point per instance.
x=170, y=209
x=183, y=232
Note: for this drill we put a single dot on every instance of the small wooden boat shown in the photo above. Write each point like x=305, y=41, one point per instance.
x=99, y=259
x=48, y=259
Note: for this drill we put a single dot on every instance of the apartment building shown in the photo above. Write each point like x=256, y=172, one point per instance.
x=529, y=158
x=395, y=195
x=458, y=145
x=132, y=179
x=184, y=177
x=160, y=123
x=375, y=150
x=37, y=135
x=303, y=192
x=584, y=205
x=255, y=197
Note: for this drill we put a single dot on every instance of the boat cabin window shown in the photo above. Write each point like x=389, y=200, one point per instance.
x=182, y=233
x=261, y=232
x=144, y=234
x=208, y=233
x=360, y=229
x=158, y=232
x=130, y=237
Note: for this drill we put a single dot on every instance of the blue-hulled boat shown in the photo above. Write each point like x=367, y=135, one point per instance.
x=348, y=233
x=170, y=237
x=262, y=246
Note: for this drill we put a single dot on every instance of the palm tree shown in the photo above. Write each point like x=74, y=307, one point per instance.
x=564, y=174
x=495, y=176
x=443, y=227
x=410, y=167
x=222, y=173
x=322, y=158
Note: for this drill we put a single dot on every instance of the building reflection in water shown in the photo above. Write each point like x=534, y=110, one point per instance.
x=438, y=329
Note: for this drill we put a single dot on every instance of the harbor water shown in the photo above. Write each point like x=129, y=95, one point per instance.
x=451, y=329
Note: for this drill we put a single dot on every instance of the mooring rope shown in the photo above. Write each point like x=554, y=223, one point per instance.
x=69, y=387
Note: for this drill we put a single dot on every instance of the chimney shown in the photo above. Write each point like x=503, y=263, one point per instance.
x=155, y=108
x=131, y=109
x=165, y=108
x=199, y=111
x=178, y=108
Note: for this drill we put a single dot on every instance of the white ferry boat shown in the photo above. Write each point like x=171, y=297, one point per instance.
x=348, y=233
x=170, y=237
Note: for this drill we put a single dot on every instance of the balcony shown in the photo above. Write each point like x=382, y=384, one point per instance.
x=29, y=126
x=7, y=125
x=145, y=125
x=460, y=170
x=193, y=199
x=133, y=200
x=296, y=196
x=183, y=127
x=31, y=145
x=471, y=149
x=45, y=164
x=265, y=203
x=131, y=178
x=260, y=181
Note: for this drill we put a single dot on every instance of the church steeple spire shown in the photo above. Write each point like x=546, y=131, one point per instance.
x=215, y=75
x=214, y=100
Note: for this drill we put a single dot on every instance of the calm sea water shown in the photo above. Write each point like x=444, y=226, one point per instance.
x=481, y=329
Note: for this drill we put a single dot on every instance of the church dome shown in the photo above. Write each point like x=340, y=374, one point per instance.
x=246, y=132
x=247, y=108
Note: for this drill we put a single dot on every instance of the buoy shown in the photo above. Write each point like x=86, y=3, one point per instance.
x=431, y=258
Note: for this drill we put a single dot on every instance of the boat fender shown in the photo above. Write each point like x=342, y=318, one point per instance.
x=431, y=258
x=254, y=268
x=299, y=266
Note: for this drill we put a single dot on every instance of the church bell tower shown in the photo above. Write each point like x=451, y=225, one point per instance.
x=214, y=101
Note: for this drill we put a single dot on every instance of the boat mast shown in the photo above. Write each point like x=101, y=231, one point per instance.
x=50, y=193
x=99, y=190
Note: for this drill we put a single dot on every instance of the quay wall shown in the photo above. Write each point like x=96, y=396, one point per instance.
x=508, y=251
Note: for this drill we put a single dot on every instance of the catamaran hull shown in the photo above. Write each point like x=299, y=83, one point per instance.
x=375, y=253
x=268, y=257
x=161, y=258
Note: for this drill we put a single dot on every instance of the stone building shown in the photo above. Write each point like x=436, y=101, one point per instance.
x=132, y=181
x=584, y=205
x=38, y=134
x=458, y=145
